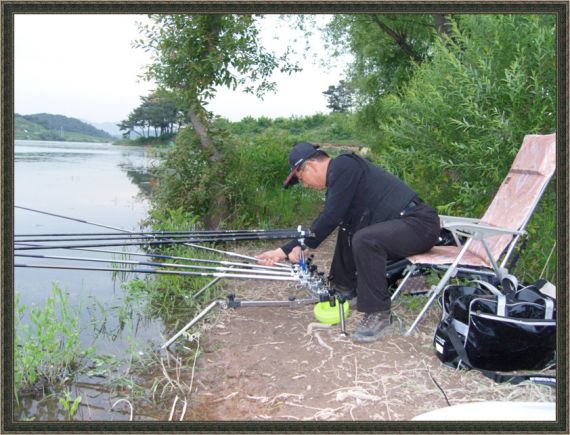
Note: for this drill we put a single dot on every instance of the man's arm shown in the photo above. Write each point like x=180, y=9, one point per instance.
x=344, y=179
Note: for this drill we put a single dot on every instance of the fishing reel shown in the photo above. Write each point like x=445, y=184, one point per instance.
x=311, y=279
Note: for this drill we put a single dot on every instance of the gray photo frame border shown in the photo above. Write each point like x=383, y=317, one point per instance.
x=10, y=8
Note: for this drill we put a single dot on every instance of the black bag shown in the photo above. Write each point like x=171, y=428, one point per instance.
x=489, y=330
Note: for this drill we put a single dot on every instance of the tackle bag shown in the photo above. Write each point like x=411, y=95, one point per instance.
x=492, y=331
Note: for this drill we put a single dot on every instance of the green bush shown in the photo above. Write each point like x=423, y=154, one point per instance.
x=183, y=177
x=462, y=117
x=254, y=173
x=453, y=132
x=251, y=174
x=335, y=128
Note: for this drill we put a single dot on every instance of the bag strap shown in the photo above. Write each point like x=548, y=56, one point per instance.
x=501, y=298
x=537, y=378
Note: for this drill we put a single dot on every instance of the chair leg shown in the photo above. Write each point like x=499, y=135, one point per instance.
x=437, y=289
x=401, y=286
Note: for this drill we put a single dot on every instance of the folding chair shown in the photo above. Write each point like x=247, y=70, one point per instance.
x=492, y=238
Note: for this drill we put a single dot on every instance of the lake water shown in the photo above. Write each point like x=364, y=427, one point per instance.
x=101, y=183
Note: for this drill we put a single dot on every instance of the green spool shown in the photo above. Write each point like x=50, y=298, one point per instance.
x=324, y=313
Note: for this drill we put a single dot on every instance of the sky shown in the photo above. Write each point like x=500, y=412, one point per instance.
x=84, y=66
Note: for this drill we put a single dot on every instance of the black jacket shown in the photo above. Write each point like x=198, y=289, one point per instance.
x=358, y=194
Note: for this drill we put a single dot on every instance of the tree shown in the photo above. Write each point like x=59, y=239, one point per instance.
x=194, y=54
x=339, y=97
x=385, y=47
x=386, y=50
x=454, y=129
x=157, y=111
x=162, y=113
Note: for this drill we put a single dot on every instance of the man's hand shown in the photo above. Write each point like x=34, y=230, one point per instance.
x=269, y=258
x=295, y=254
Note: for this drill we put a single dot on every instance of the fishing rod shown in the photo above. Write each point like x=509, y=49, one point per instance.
x=147, y=241
x=162, y=272
x=165, y=233
x=153, y=263
x=173, y=257
x=230, y=254
x=211, y=283
x=205, y=237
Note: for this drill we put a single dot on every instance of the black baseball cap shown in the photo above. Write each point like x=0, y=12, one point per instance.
x=300, y=152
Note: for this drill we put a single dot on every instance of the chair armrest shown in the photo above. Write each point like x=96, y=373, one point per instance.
x=446, y=220
x=480, y=231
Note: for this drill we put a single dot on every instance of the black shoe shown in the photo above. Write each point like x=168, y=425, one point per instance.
x=372, y=327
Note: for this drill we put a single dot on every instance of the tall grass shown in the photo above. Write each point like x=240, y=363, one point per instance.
x=250, y=178
x=47, y=348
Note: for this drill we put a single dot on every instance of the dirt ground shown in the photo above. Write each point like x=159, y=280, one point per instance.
x=273, y=364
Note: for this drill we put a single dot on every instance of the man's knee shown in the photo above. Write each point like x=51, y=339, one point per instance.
x=366, y=241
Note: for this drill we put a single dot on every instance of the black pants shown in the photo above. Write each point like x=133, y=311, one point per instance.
x=360, y=261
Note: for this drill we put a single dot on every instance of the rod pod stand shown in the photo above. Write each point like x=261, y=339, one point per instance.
x=341, y=301
x=301, y=241
x=232, y=302
x=334, y=298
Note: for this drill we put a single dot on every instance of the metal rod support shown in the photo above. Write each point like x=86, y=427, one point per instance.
x=193, y=322
x=341, y=316
x=289, y=303
x=207, y=286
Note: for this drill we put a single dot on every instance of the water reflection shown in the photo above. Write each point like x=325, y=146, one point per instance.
x=101, y=183
x=62, y=157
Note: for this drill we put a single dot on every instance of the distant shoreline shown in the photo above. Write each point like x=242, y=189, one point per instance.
x=114, y=143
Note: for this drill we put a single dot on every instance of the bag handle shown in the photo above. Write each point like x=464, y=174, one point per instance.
x=501, y=299
x=510, y=283
x=548, y=309
x=488, y=286
x=548, y=301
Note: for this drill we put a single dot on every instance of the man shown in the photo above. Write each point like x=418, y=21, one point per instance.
x=379, y=218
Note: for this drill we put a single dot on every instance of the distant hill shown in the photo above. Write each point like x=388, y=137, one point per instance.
x=110, y=127
x=44, y=126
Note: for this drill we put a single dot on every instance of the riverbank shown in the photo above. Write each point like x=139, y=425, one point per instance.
x=278, y=364
x=162, y=141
